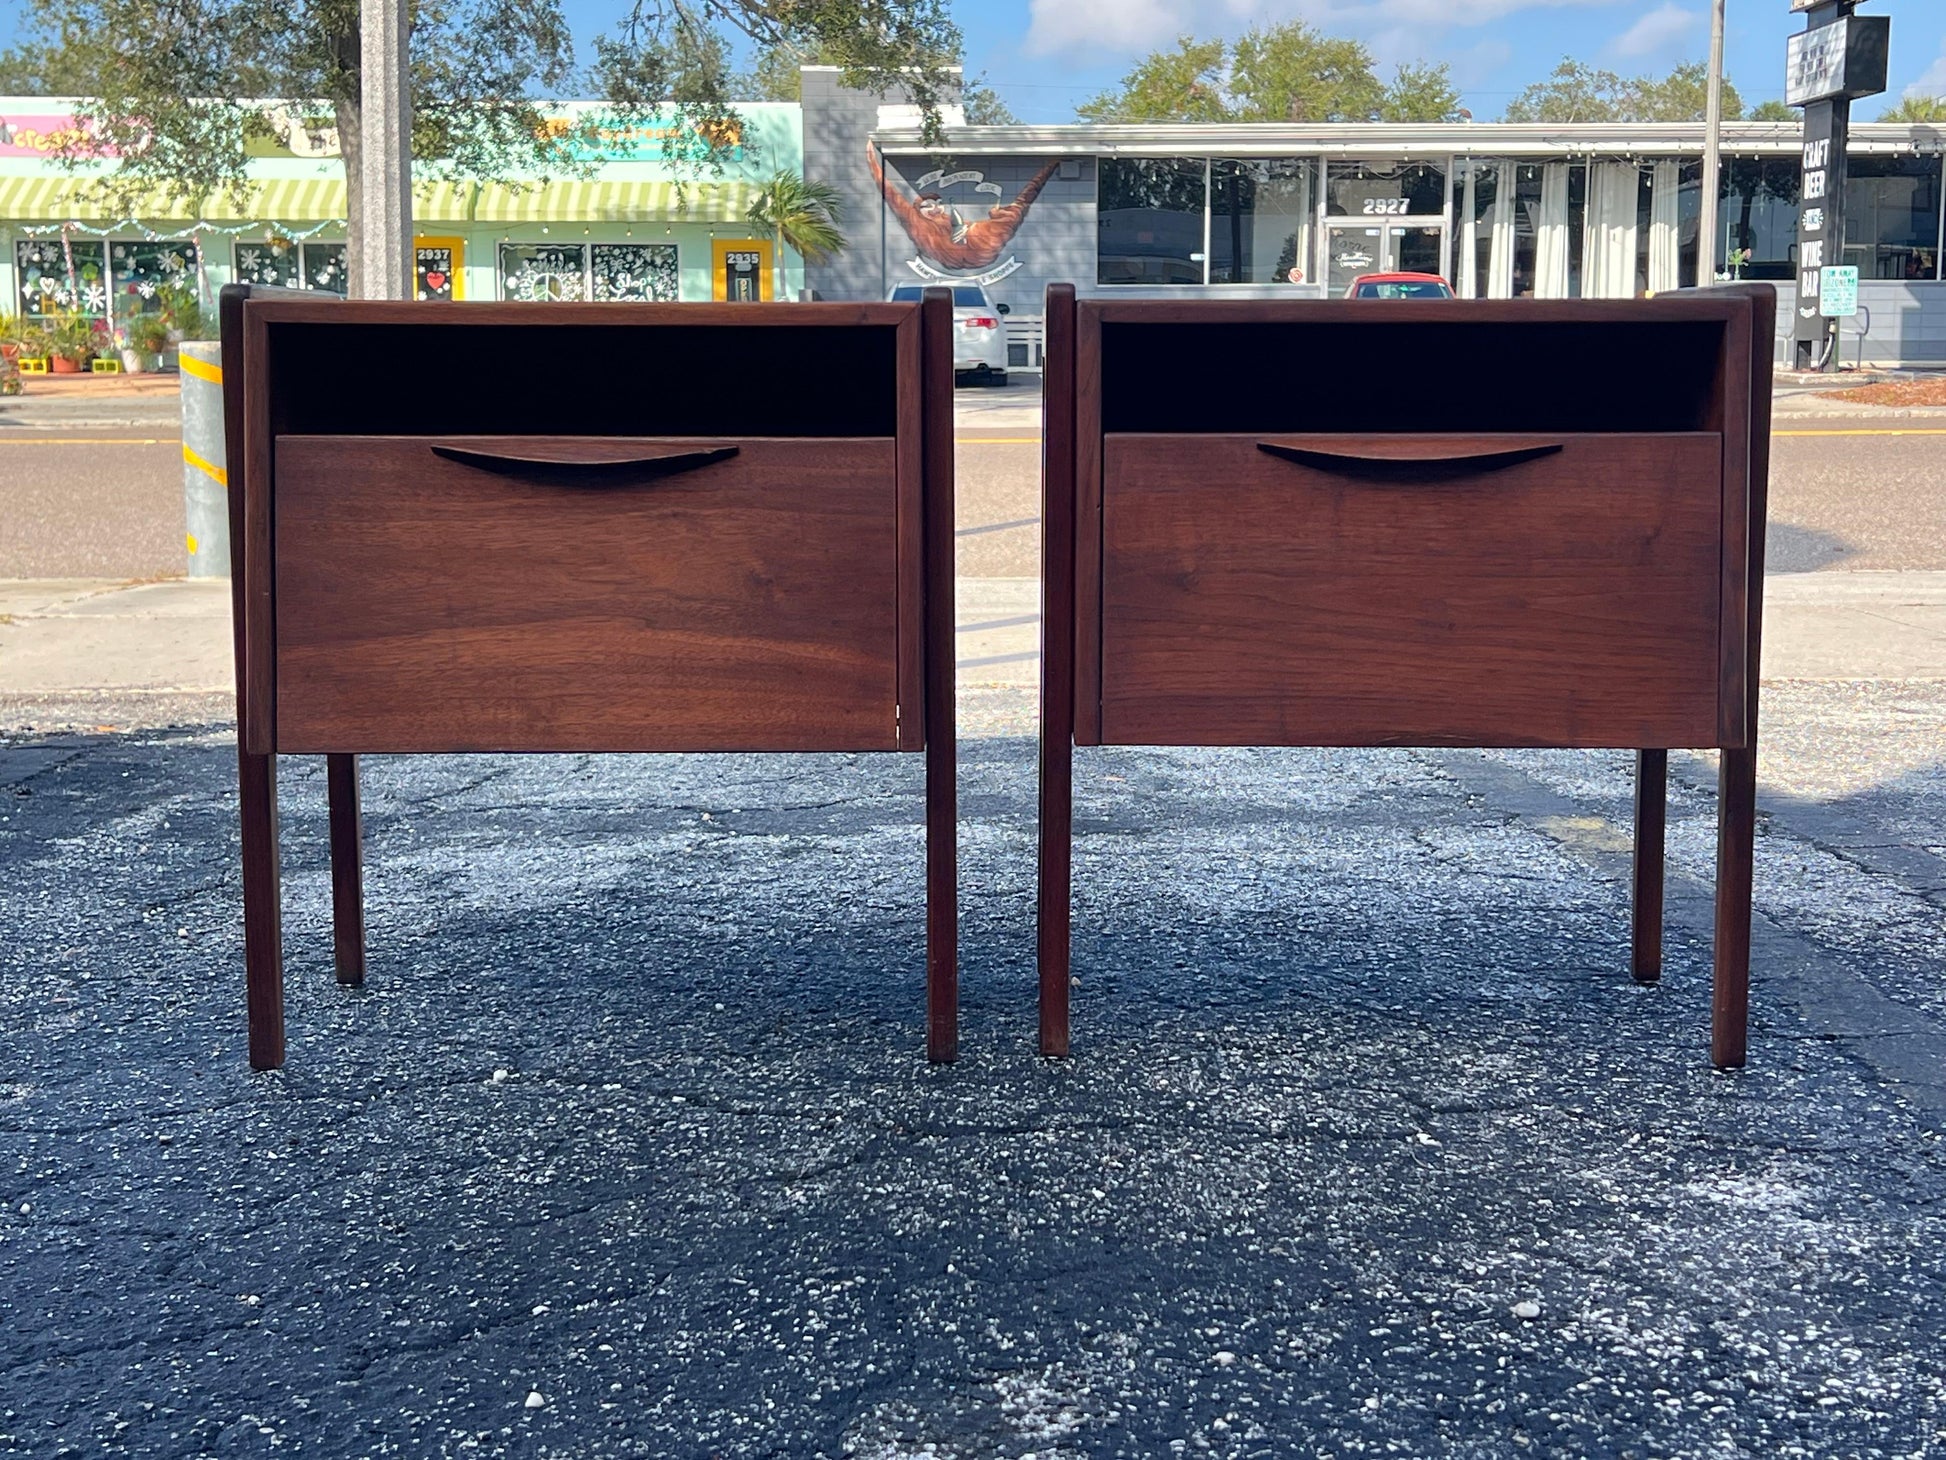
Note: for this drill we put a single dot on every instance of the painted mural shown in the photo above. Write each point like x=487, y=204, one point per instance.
x=942, y=219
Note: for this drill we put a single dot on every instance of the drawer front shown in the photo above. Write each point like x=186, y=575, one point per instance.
x=480, y=594
x=1505, y=590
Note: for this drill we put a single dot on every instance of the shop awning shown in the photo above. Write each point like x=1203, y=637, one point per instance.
x=321, y=199
x=616, y=202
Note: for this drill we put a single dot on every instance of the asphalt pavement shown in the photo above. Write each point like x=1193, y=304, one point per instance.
x=1368, y=1144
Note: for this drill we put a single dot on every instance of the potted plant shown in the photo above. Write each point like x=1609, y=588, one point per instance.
x=148, y=337
x=31, y=338
x=72, y=342
x=10, y=355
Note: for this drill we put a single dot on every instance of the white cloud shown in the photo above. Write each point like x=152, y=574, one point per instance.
x=1662, y=30
x=1932, y=81
x=1135, y=27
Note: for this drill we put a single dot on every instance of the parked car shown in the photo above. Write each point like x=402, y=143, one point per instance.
x=1398, y=286
x=979, y=330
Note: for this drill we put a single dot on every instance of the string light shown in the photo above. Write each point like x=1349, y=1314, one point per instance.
x=130, y=225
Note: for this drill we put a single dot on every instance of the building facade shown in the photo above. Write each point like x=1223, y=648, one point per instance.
x=634, y=223
x=1502, y=211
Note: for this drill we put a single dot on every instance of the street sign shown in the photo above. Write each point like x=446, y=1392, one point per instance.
x=1846, y=58
x=1838, y=291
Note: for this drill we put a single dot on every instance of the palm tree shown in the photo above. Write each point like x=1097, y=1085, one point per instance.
x=803, y=214
x=1917, y=109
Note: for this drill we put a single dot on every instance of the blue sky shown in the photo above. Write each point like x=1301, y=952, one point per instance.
x=1046, y=56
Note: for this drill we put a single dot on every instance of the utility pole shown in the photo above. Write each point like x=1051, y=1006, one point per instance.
x=385, y=127
x=1706, y=246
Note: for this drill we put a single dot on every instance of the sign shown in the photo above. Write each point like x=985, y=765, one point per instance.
x=1820, y=215
x=1846, y=58
x=1838, y=291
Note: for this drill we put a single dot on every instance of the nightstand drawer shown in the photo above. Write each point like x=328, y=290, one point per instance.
x=585, y=593
x=1555, y=589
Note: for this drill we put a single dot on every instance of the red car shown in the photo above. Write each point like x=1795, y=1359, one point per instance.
x=1399, y=286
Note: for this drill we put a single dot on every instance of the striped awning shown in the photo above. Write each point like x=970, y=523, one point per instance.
x=321, y=199
x=615, y=202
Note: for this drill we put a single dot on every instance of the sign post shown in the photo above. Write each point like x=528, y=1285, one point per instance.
x=1838, y=57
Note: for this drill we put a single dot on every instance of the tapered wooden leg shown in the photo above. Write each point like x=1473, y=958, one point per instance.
x=942, y=793
x=942, y=900
x=1651, y=804
x=1736, y=835
x=1056, y=860
x=347, y=869
x=263, y=935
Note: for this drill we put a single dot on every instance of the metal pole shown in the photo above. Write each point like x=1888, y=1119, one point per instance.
x=385, y=190
x=1706, y=249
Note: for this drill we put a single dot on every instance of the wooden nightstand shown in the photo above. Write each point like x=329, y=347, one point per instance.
x=1353, y=523
x=515, y=527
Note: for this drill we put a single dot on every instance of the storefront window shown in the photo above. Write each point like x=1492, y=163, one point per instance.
x=268, y=263
x=56, y=277
x=636, y=271
x=1689, y=221
x=1262, y=213
x=1151, y=212
x=1757, y=210
x=1482, y=182
x=1527, y=221
x=1385, y=189
x=1892, y=217
x=543, y=271
x=143, y=271
x=435, y=271
x=325, y=268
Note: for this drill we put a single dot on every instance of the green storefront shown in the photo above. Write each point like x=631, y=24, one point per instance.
x=636, y=222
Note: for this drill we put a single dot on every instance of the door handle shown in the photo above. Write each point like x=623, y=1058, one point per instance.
x=570, y=463
x=1409, y=460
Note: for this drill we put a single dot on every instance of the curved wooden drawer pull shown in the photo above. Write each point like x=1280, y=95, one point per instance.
x=572, y=463
x=1414, y=460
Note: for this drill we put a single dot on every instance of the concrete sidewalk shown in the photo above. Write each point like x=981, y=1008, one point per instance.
x=90, y=652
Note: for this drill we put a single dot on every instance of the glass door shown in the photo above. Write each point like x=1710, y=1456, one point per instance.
x=1416, y=248
x=1351, y=249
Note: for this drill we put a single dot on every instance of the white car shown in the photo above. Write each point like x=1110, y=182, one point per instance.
x=979, y=331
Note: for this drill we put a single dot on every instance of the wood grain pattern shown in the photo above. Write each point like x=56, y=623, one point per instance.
x=1736, y=816
x=1416, y=314
x=1569, y=600
x=499, y=314
x=914, y=486
x=1087, y=523
x=1053, y=901
x=257, y=711
x=1732, y=408
x=263, y=936
x=423, y=605
x=942, y=796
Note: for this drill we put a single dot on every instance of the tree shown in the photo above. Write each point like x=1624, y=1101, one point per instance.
x=805, y=215
x=1279, y=73
x=1183, y=85
x=1576, y=92
x=178, y=111
x=1421, y=94
x=29, y=70
x=984, y=106
x=1916, y=109
x=777, y=75
x=1773, y=111
x=1292, y=73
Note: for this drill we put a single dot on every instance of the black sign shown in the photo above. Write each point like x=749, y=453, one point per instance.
x=1820, y=217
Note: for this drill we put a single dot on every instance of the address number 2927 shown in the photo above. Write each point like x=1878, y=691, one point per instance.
x=1384, y=205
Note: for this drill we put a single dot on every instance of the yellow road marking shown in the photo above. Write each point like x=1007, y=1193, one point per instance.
x=89, y=441
x=208, y=468
x=201, y=369
x=1870, y=431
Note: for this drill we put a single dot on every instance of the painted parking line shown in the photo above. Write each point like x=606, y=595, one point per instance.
x=1870, y=431
x=89, y=440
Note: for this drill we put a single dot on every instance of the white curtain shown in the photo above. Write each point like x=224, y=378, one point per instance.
x=1608, y=250
x=1469, y=245
x=1551, y=234
x=1665, y=221
x=1500, y=260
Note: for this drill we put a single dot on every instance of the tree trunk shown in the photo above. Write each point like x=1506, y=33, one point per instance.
x=351, y=147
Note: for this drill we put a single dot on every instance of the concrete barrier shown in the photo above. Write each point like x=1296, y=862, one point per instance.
x=205, y=475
